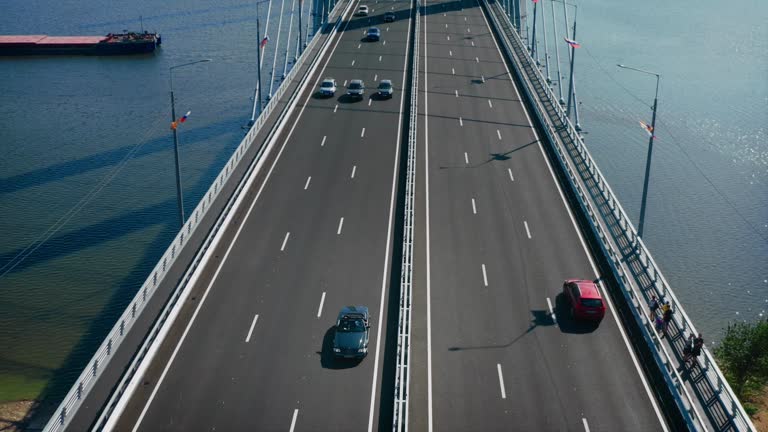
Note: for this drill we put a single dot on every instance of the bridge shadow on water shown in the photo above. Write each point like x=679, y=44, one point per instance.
x=41, y=176
x=164, y=215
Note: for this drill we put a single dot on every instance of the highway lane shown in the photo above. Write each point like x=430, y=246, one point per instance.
x=498, y=243
x=318, y=237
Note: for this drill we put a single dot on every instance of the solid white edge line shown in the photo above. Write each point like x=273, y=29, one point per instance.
x=111, y=424
x=384, y=278
x=341, y=224
x=293, y=420
x=527, y=231
x=250, y=331
x=474, y=208
x=501, y=381
x=320, y=309
x=485, y=276
x=306, y=185
x=583, y=244
x=586, y=425
x=354, y=168
x=285, y=241
x=428, y=247
x=511, y=177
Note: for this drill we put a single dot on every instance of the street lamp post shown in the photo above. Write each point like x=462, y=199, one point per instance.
x=652, y=133
x=179, y=196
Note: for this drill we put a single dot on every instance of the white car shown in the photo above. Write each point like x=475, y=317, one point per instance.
x=328, y=87
x=362, y=10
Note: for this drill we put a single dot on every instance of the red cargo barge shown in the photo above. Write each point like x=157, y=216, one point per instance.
x=111, y=44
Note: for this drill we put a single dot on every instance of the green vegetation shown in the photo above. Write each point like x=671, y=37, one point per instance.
x=743, y=357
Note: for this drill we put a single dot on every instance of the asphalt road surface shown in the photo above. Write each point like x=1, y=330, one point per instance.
x=492, y=347
x=257, y=353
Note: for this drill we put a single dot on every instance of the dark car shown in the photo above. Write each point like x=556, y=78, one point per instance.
x=351, y=337
x=385, y=89
x=389, y=17
x=584, y=299
x=373, y=34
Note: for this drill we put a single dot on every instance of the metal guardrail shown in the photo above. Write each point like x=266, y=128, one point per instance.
x=630, y=260
x=88, y=377
x=403, y=357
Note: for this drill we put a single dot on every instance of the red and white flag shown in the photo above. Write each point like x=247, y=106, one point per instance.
x=648, y=128
x=572, y=43
x=264, y=41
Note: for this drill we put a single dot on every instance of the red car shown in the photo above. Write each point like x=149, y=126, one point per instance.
x=584, y=299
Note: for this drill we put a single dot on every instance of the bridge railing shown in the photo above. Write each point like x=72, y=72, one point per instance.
x=629, y=258
x=101, y=358
x=403, y=356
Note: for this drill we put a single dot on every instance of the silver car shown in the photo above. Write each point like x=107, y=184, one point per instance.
x=328, y=87
x=385, y=89
x=356, y=88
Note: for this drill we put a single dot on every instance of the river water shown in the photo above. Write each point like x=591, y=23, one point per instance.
x=87, y=184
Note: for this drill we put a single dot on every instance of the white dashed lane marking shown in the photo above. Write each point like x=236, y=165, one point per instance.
x=285, y=241
x=511, y=177
x=501, y=381
x=362, y=134
x=322, y=143
x=341, y=224
x=306, y=185
x=485, y=276
x=474, y=207
x=527, y=231
x=466, y=158
x=498, y=132
x=320, y=309
x=354, y=168
x=250, y=331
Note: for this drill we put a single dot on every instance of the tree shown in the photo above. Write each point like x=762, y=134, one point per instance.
x=743, y=357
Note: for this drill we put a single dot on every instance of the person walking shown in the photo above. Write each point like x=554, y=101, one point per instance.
x=659, y=323
x=667, y=316
x=654, y=306
x=688, y=349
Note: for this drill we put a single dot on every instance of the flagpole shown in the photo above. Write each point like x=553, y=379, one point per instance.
x=557, y=52
x=641, y=223
x=546, y=47
x=174, y=124
x=534, y=53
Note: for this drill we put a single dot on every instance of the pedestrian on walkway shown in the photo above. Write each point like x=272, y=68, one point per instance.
x=667, y=317
x=659, y=323
x=665, y=307
x=654, y=306
x=688, y=349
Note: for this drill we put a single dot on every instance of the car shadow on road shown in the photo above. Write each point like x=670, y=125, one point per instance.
x=321, y=96
x=567, y=323
x=345, y=99
x=328, y=360
x=541, y=318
